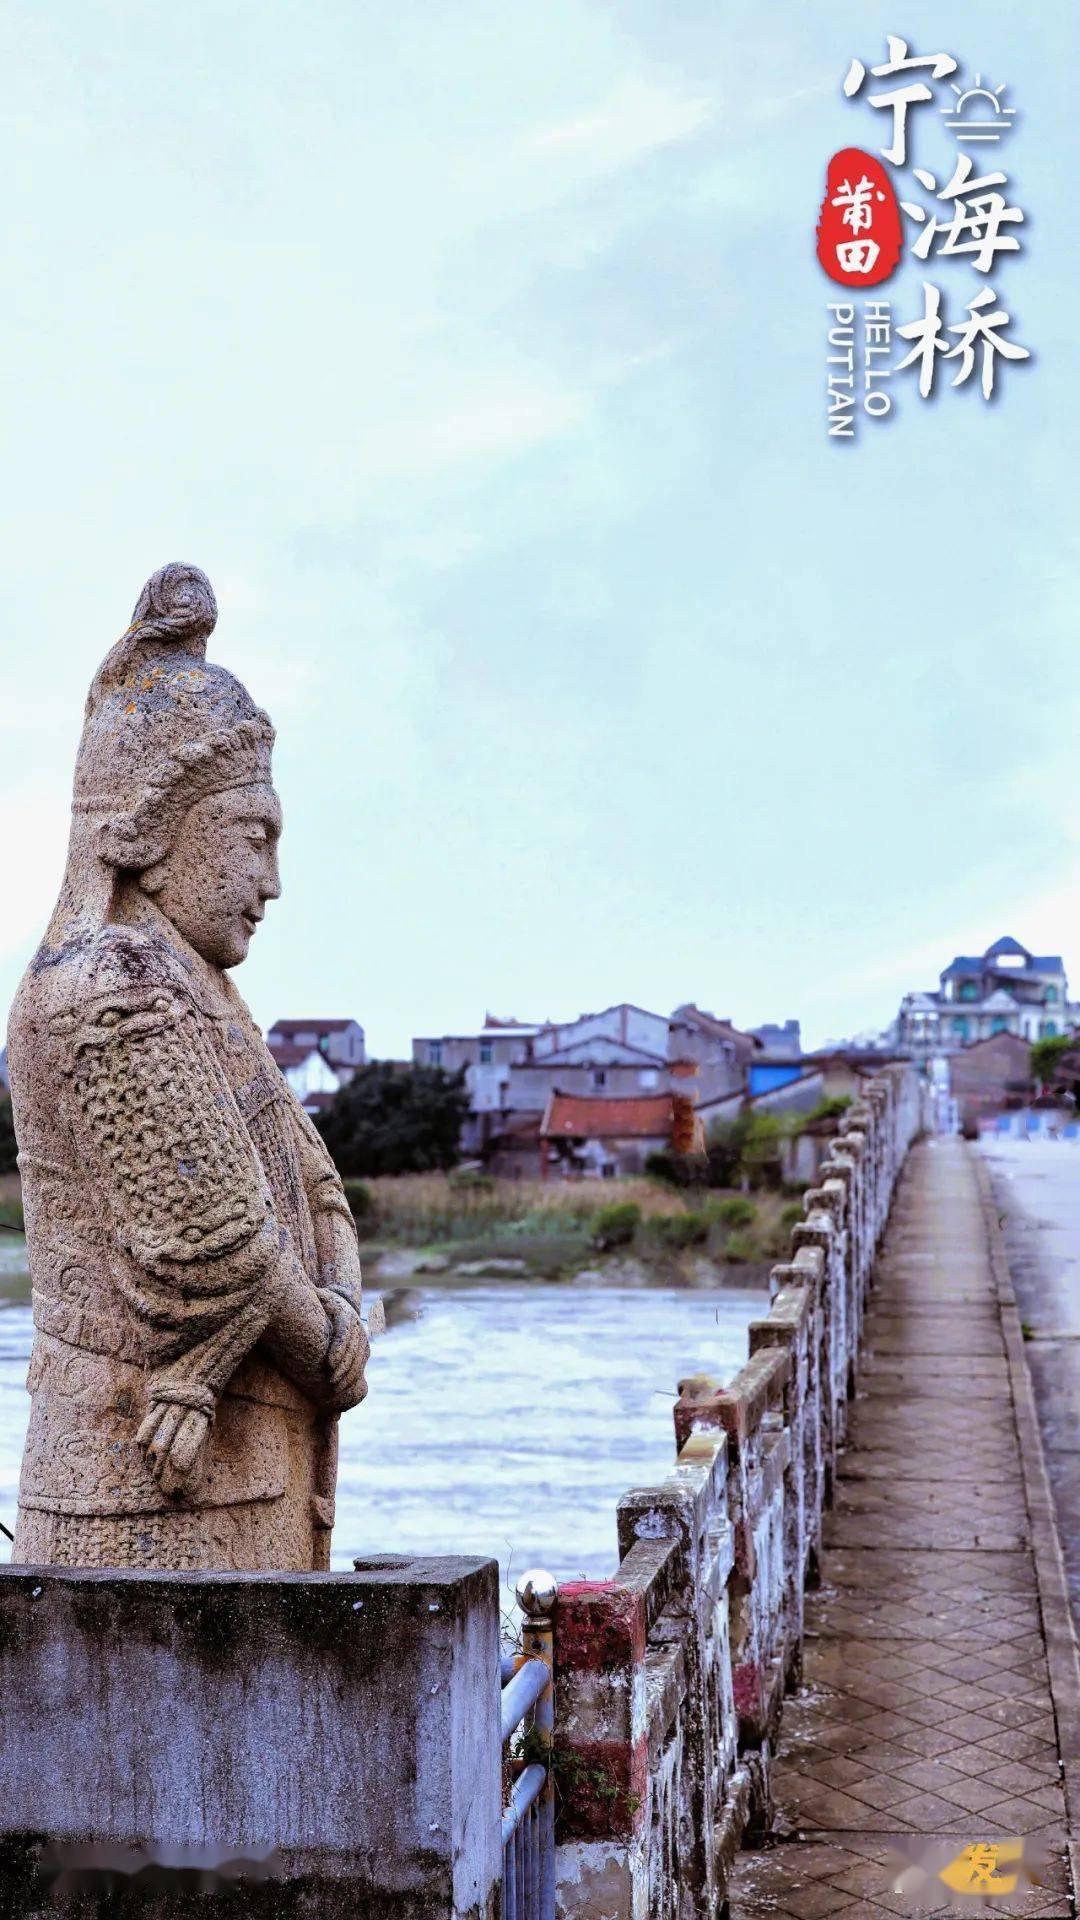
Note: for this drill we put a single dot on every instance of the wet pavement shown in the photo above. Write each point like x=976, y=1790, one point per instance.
x=919, y=1767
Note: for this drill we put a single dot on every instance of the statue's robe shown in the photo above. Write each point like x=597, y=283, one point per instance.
x=170, y=1179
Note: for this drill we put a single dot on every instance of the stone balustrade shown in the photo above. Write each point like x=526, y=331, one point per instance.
x=670, y=1677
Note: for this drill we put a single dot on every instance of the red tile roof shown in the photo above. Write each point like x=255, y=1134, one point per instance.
x=571, y=1116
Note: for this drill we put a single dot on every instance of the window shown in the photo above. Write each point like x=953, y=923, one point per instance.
x=1049, y=1028
x=647, y=1077
x=1051, y=996
x=960, y=1028
x=968, y=990
x=434, y=1053
x=599, y=1077
x=999, y=1023
x=485, y=1053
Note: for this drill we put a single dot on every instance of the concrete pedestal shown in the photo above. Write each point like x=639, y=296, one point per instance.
x=285, y=1745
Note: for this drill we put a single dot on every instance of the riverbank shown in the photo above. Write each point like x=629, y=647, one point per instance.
x=458, y=1229
x=629, y=1233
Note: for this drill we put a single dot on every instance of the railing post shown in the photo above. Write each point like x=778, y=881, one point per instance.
x=536, y=1594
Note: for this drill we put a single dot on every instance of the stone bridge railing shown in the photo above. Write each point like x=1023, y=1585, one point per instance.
x=671, y=1676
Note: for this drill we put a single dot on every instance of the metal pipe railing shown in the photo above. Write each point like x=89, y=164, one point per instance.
x=528, y=1694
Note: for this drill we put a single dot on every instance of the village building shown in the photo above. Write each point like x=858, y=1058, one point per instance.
x=776, y=1038
x=1007, y=989
x=624, y=1052
x=317, y=1056
x=990, y=1076
x=512, y=1067
x=722, y=1053
x=601, y=1138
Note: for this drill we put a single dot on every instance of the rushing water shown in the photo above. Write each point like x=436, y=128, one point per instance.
x=506, y=1419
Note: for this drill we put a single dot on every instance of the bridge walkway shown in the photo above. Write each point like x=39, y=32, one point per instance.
x=939, y=1709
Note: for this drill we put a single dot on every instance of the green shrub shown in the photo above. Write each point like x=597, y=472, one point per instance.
x=791, y=1214
x=360, y=1199
x=665, y=1167
x=830, y=1108
x=736, y=1211
x=740, y=1246
x=615, y=1226
x=1046, y=1056
x=678, y=1230
x=470, y=1180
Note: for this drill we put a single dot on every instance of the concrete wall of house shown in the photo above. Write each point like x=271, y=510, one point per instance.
x=780, y=1039
x=601, y=1048
x=454, y=1051
x=530, y=1084
x=340, y=1730
x=799, y=1096
x=633, y=1025
x=313, y=1075
x=346, y=1048
x=987, y=1078
x=601, y=1158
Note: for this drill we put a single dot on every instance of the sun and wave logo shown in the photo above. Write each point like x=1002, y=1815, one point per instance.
x=978, y=115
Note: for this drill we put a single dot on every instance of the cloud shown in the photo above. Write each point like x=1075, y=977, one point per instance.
x=637, y=118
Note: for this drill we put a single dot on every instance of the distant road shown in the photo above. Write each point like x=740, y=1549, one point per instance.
x=1037, y=1186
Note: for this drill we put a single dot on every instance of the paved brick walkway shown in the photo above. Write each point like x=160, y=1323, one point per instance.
x=926, y=1711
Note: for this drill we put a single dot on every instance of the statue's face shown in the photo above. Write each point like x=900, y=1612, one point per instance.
x=222, y=868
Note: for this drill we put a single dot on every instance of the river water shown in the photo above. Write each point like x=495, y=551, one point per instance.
x=506, y=1419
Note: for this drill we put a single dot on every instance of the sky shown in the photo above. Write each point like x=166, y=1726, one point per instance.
x=477, y=352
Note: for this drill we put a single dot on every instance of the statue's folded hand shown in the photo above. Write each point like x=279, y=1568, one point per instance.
x=347, y=1354
x=173, y=1436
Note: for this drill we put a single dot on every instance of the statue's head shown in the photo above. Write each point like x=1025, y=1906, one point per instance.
x=173, y=787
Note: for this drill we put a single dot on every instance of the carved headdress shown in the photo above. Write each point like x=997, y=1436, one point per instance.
x=163, y=728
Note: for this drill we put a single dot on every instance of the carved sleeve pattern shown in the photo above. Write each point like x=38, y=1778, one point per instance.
x=335, y=1228
x=189, y=1199
x=321, y=1178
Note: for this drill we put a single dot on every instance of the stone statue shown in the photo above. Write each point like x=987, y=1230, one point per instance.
x=196, y=1285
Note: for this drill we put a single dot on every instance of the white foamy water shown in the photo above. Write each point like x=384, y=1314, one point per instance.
x=506, y=1420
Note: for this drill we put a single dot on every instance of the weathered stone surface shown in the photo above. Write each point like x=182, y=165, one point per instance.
x=193, y=1258
x=339, y=1733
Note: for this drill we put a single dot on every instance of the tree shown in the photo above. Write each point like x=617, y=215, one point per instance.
x=395, y=1120
x=1047, y=1057
x=7, y=1135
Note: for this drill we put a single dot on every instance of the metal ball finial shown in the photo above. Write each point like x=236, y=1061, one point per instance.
x=536, y=1591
